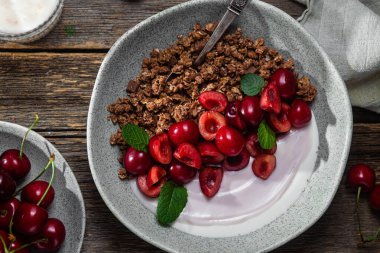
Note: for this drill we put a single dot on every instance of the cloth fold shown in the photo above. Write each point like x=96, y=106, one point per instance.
x=349, y=31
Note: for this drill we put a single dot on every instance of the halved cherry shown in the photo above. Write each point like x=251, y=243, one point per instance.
x=180, y=173
x=263, y=165
x=210, y=179
x=280, y=122
x=233, y=116
x=270, y=100
x=160, y=148
x=210, y=123
x=252, y=145
x=154, y=175
x=213, y=101
x=210, y=154
x=153, y=191
x=235, y=163
x=189, y=155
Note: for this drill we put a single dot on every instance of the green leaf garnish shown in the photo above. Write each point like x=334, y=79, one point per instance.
x=251, y=84
x=171, y=202
x=267, y=138
x=135, y=136
x=70, y=30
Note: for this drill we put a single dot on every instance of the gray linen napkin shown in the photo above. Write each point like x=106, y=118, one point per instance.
x=349, y=31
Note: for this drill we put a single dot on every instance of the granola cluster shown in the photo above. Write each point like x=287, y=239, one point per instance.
x=155, y=104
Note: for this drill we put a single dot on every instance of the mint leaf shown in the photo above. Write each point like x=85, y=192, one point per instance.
x=267, y=137
x=135, y=136
x=251, y=84
x=172, y=200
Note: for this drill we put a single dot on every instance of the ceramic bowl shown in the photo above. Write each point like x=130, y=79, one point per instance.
x=68, y=205
x=331, y=110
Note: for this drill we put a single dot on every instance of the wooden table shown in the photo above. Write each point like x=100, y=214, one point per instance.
x=55, y=77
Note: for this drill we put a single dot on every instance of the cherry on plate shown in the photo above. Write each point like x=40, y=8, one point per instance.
x=17, y=166
x=270, y=100
x=54, y=232
x=252, y=145
x=235, y=163
x=374, y=198
x=250, y=110
x=213, y=101
x=184, y=131
x=210, y=154
x=189, y=155
x=7, y=186
x=299, y=114
x=233, y=117
x=286, y=82
x=33, y=192
x=229, y=141
x=361, y=175
x=154, y=175
x=160, y=148
x=29, y=219
x=263, y=165
x=210, y=179
x=151, y=192
x=280, y=122
x=137, y=162
x=210, y=123
x=180, y=173
x=7, y=210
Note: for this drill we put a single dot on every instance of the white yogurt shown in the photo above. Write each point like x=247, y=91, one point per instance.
x=20, y=16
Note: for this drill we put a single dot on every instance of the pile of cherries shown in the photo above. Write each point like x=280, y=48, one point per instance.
x=224, y=139
x=25, y=224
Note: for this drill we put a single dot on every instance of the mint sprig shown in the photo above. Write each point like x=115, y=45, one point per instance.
x=251, y=84
x=267, y=138
x=135, y=136
x=171, y=202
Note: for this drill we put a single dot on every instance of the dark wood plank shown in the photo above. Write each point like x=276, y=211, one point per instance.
x=99, y=23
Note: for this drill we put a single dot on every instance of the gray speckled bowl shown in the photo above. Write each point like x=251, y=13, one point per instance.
x=68, y=205
x=331, y=109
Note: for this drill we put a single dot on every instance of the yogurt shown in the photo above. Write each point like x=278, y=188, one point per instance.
x=21, y=16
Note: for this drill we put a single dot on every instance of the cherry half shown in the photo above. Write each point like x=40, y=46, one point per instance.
x=235, y=163
x=160, y=148
x=52, y=236
x=210, y=179
x=233, y=117
x=213, y=101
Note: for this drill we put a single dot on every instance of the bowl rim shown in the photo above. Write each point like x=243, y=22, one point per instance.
x=297, y=26
x=41, y=139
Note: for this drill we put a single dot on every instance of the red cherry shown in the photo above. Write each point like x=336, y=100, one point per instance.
x=235, y=163
x=250, y=110
x=4, y=236
x=184, y=131
x=229, y=141
x=286, y=82
x=361, y=175
x=154, y=175
x=280, y=122
x=160, y=148
x=33, y=192
x=213, y=101
x=189, y=155
x=210, y=123
x=374, y=198
x=299, y=114
x=181, y=173
x=233, y=117
x=29, y=219
x=7, y=186
x=151, y=192
x=18, y=167
x=7, y=210
x=17, y=244
x=263, y=165
x=270, y=100
x=271, y=151
x=137, y=162
x=54, y=232
x=210, y=179
x=252, y=145
x=210, y=154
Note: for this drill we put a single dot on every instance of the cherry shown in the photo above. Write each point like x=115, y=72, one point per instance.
x=54, y=233
x=374, y=198
x=280, y=122
x=286, y=82
x=210, y=179
x=33, y=192
x=233, y=117
x=137, y=162
x=270, y=100
x=181, y=173
x=252, y=145
x=189, y=155
x=7, y=186
x=29, y=219
x=7, y=210
x=299, y=114
x=210, y=154
x=263, y=165
x=19, y=246
x=14, y=161
x=235, y=163
x=250, y=110
x=160, y=148
x=4, y=240
x=154, y=175
x=213, y=101
x=210, y=123
x=229, y=141
x=151, y=192
x=361, y=175
x=184, y=131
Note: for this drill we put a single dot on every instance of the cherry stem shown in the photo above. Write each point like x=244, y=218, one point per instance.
x=50, y=182
x=357, y=212
x=4, y=244
x=26, y=134
x=27, y=245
